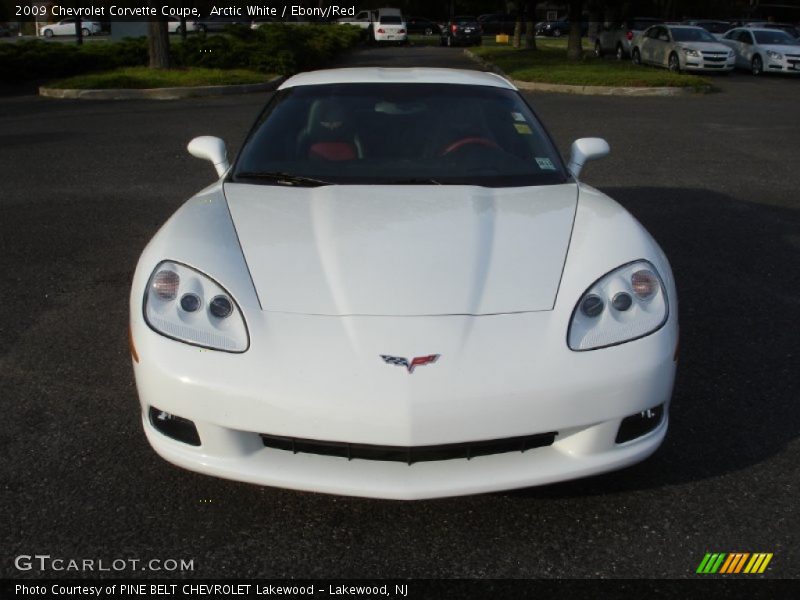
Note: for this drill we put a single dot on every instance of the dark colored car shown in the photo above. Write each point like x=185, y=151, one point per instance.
x=464, y=31
x=220, y=23
x=493, y=24
x=715, y=27
x=559, y=28
x=421, y=25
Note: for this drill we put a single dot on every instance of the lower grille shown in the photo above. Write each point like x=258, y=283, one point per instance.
x=409, y=454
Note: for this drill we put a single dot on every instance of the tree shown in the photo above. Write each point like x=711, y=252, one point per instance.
x=79, y=30
x=530, y=34
x=574, y=49
x=158, y=41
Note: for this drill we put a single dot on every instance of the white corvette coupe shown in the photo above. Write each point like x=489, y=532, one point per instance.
x=399, y=290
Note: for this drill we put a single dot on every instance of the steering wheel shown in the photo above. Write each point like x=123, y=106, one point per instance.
x=469, y=141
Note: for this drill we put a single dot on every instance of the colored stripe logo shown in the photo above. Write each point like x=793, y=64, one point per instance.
x=734, y=563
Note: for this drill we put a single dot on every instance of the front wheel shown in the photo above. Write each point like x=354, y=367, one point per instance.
x=636, y=57
x=428, y=31
x=598, y=49
x=557, y=33
x=449, y=42
x=85, y=32
x=620, y=53
x=674, y=63
x=48, y=33
x=757, y=66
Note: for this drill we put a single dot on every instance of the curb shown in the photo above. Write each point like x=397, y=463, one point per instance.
x=590, y=90
x=169, y=93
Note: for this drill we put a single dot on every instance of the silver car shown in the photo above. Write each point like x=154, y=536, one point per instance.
x=764, y=50
x=615, y=38
x=682, y=48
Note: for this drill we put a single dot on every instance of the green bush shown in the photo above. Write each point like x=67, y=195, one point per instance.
x=273, y=48
x=37, y=59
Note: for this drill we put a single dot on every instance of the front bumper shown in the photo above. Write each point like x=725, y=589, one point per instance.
x=691, y=63
x=498, y=377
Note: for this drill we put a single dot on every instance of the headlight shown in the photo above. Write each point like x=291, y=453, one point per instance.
x=691, y=52
x=185, y=305
x=774, y=55
x=628, y=303
x=730, y=53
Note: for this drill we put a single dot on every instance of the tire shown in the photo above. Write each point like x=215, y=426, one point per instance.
x=674, y=63
x=598, y=49
x=757, y=66
x=619, y=53
x=85, y=32
x=48, y=33
x=428, y=31
x=556, y=33
x=450, y=42
x=636, y=56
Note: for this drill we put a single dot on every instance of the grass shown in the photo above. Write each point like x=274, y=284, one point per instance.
x=549, y=64
x=145, y=78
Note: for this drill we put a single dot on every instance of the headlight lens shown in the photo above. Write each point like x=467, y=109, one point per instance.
x=185, y=305
x=628, y=303
x=691, y=52
x=775, y=55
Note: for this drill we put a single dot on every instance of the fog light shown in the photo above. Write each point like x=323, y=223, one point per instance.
x=174, y=426
x=639, y=424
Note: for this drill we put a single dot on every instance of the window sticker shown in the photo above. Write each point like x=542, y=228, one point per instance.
x=545, y=164
x=523, y=128
x=518, y=116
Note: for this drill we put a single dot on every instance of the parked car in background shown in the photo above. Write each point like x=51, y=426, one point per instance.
x=764, y=50
x=615, y=37
x=715, y=28
x=462, y=31
x=559, y=28
x=389, y=26
x=422, y=26
x=174, y=25
x=219, y=23
x=362, y=19
x=67, y=27
x=492, y=24
x=682, y=48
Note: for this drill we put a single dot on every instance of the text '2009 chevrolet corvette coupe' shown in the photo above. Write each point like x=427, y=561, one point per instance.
x=399, y=290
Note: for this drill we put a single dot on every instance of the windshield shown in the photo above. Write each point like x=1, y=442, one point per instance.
x=691, y=34
x=372, y=133
x=775, y=37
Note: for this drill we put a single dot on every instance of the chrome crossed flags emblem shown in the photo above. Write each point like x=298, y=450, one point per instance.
x=417, y=361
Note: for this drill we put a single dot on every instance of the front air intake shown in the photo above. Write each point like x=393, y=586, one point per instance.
x=409, y=454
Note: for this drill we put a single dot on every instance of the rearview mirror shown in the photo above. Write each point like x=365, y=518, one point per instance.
x=585, y=149
x=210, y=148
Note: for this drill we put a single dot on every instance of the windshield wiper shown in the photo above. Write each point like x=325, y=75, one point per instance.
x=281, y=178
x=415, y=181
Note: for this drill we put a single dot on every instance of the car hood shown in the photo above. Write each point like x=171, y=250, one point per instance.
x=782, y=48
x=404, y=250
x=705, y=46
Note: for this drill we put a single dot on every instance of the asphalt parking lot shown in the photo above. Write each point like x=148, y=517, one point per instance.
x=713, y=177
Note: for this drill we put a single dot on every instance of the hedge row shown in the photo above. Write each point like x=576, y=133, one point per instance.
x=273, y=48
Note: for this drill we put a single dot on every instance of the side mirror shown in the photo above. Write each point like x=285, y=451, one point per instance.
x=585, y=149
x=210, y=148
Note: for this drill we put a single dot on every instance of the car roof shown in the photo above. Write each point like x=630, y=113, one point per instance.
x=398, y=75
